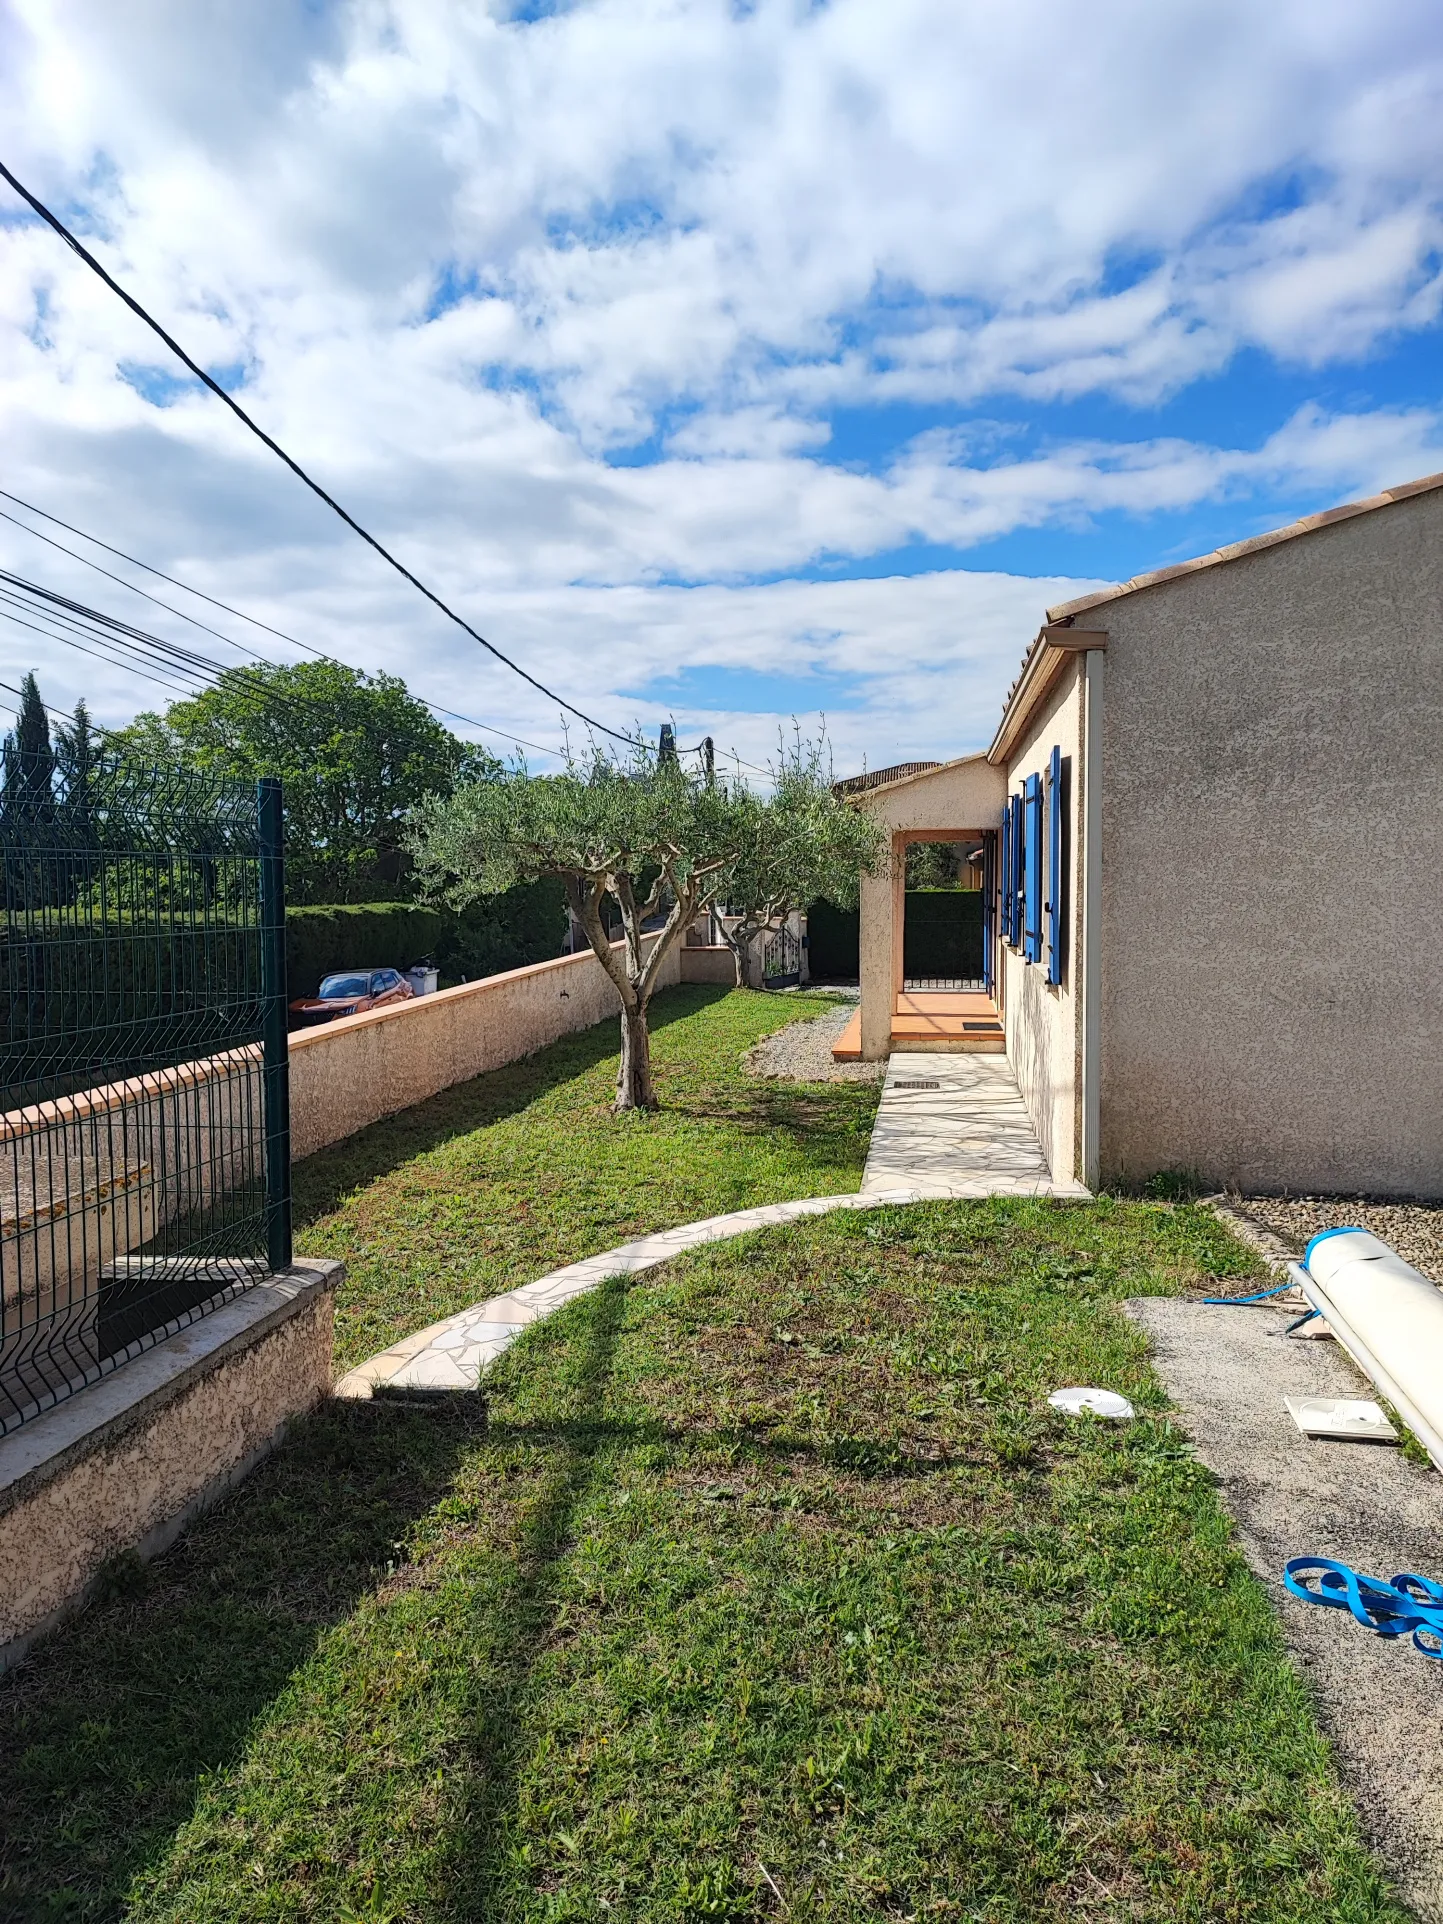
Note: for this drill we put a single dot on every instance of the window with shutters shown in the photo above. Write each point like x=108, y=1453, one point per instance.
x=1015, y=875
x=1032, y=869
x=1059, y=776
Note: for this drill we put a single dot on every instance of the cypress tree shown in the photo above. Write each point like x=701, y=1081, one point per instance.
x=30, y=766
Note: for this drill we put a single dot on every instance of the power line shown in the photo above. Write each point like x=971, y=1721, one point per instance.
x=436, y=709
x=52, y=221
x=241, y=615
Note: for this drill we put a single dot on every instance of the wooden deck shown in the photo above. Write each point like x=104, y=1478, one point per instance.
x=962, y=1022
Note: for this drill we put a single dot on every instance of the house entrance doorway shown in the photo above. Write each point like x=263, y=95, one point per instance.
x=942, y=916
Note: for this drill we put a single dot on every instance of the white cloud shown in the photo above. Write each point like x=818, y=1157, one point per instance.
x=705, y=231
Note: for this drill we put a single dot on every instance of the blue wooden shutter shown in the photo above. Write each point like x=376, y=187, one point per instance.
x=1004, y=877
x=989, y=909
x=1056, y=881
x=1032, y=869
x=1014, y=871
x=1019, y=866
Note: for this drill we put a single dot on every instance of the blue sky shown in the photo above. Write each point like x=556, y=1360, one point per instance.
x=724, y=363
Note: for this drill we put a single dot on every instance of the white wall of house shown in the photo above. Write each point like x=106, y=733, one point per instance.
x=1043, y=1022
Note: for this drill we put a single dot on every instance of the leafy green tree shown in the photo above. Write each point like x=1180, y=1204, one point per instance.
x=805, y=843
x=77, y=749
x=600, y=827
x=27, y=807
x=356, y=754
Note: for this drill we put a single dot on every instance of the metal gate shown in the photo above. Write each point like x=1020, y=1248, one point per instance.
x=145, y=1134
x=782, y=960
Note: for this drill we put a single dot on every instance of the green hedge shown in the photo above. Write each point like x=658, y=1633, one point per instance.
x=833, y=942
x=505, y=932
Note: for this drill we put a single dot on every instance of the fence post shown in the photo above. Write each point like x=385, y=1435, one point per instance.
x=276, y=1059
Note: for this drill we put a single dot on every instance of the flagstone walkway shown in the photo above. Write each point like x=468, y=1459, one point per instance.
x=965, y=1132
x=956, y=1125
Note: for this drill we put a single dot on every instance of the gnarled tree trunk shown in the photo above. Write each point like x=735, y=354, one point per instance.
x=633, y=1084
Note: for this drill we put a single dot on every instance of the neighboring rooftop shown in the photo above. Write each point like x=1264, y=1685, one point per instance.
x=879, y=777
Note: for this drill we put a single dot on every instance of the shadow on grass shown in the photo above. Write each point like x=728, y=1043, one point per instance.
x=323, y=1180
x=471, y=1862
x=109, y=1731
x=109, y=1727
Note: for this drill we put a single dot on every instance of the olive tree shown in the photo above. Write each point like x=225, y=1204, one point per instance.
x=642, y=838
x=805, y=843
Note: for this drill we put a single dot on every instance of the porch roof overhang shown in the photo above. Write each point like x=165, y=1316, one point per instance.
x=949, y=799
x=1055, y=645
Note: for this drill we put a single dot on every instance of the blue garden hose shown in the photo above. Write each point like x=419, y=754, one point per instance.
x=1408, y=1604
x=1258, y=1296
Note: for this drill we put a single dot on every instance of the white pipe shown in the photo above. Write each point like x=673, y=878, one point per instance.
x=1388, y=1317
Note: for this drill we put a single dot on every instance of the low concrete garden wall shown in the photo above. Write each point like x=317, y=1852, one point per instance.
x=125, y=1464
x=354, y=1071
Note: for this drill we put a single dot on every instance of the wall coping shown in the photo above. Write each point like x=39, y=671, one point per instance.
x=105, y=1411
x=60, y=1110
x=484, y=985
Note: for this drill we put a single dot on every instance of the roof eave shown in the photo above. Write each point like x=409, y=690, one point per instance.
x=1056, y=644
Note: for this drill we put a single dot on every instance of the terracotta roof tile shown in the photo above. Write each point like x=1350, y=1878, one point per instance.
x=1425, y=485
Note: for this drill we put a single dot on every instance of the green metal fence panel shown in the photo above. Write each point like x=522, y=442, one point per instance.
x=833, y=942
x=942, y=937
x=144, y=1139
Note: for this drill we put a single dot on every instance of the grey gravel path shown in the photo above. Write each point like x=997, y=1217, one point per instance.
x=1380, y=1702
x=1414, y=1229
x=802, y=1052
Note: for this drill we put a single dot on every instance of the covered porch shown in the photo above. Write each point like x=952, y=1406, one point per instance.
x=957, y=802
x=955, y=1022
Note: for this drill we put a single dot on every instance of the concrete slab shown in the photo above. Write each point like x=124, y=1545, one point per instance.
x=1229, y=1371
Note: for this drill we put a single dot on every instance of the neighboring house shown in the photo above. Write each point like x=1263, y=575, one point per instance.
x=1212, y=819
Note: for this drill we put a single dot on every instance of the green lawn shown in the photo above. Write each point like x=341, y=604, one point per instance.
x=771, y=1589
x=496, y=1182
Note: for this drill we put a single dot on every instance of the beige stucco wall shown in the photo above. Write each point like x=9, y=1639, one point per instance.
x=1273, y=842
x=964, y=795
x=119, y=1465
x=709, y=962
x=1043, y=1023
x=355, y=1071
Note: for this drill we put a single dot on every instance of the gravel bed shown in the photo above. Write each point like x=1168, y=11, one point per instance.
x=1414, y=1229
x=802, y=1052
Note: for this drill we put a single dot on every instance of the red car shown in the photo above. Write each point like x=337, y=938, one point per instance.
x=352, y=994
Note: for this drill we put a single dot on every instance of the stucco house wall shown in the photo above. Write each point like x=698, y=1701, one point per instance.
x=1043, y=1023
x=1272, y=828
x=964, y=795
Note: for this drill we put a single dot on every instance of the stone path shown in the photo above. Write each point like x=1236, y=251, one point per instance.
x=969, y=1135
x=453, y=1354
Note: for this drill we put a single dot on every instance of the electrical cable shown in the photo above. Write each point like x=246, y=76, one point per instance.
x=49, y=635
x=320, y=654
x=115, y=634
x=207, y=380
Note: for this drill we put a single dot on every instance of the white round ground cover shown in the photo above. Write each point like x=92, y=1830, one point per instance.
x=1079, y=1402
